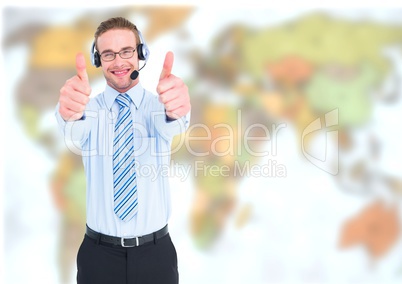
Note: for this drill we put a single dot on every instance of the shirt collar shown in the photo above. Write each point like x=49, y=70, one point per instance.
x=136, y=94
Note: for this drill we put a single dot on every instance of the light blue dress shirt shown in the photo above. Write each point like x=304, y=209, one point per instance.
x=92, y=137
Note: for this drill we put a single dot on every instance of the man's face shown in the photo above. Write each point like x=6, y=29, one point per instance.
x=117, y=72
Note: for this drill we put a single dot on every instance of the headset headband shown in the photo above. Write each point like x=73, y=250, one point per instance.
x=142, y=50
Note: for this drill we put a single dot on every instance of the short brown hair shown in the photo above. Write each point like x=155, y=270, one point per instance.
x=116, y=23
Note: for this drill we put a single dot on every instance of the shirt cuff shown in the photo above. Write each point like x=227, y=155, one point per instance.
x=73, y=131
x=169, y=128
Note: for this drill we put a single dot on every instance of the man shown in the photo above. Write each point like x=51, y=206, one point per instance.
x=120, y=132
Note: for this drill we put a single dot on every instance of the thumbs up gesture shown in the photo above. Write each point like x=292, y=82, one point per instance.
x=74, y=95
x=173, y=93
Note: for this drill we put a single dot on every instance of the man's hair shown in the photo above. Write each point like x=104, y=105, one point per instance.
x=116, y=23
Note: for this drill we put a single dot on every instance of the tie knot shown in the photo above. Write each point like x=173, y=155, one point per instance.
x=123, y=100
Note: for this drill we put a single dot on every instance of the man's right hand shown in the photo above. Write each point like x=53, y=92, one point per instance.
x=74, y=95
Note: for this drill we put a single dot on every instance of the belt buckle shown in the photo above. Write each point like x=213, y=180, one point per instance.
x=137, y=243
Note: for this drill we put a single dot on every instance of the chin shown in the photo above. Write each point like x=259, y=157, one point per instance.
x=121, y=86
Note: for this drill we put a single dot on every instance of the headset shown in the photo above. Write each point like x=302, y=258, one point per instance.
x=142, y=49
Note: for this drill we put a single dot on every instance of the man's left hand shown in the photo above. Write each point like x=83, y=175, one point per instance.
x=173, y=93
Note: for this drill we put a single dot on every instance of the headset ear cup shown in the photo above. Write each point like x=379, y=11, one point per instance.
x=95, y=58
x=97, y=61
x=140, y=51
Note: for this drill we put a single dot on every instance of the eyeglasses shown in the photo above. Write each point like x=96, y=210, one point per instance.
x=125, y=54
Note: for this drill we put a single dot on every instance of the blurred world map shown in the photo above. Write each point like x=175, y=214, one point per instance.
x=289, y=172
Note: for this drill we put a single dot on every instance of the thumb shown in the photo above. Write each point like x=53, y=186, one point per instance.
x=167, y=65
x=81, y=67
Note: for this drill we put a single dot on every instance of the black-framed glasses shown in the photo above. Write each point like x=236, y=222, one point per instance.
x=125, y=54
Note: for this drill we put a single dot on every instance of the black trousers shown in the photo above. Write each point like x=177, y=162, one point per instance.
x=151, y=263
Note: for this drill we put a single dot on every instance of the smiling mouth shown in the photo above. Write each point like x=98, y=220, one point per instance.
x=120, y=73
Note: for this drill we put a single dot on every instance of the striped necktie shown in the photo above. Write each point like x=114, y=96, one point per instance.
x=124, y=176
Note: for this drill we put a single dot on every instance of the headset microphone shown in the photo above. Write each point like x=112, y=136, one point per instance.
x=134, y=75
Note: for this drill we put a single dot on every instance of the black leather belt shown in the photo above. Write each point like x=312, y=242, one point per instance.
x=131, y=242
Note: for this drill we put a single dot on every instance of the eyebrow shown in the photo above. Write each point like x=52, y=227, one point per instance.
x=124, y=48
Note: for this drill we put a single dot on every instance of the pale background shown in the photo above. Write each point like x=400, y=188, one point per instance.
x=279, y=230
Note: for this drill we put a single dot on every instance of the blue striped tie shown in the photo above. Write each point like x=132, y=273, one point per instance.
x=124, y=176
